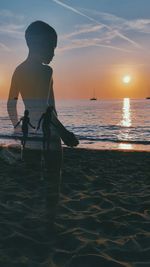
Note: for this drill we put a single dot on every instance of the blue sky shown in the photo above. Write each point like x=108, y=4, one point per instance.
x=98, y=40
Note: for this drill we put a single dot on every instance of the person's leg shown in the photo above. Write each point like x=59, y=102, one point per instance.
x=25, y=138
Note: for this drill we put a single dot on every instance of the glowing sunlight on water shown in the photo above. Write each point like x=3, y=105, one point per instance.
x=126, y=114
x=125, y=146
x=125, y=122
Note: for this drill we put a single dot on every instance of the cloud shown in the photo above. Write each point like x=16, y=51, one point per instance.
x=89, y=35
x=13, y=30
x=11, y=25
x=114, y=31
x=4, y=47
x=83, y=29
x=118, y=23
x=5, y=13
x=83, y=43
x=78, y=12
x=139, y=25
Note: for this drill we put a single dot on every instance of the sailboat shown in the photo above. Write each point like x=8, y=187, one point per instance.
x=93, y=98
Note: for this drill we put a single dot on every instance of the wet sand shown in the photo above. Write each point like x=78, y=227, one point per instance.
x=103, y=217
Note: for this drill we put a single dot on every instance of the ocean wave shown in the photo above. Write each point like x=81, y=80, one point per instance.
x=84, y=139
x=143, y=142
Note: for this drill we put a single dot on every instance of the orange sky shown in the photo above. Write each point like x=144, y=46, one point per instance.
x=79, y=81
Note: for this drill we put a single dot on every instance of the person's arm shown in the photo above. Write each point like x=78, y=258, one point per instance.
x=31, y=125
x=15, y=126
x=51, y=102
x=51, y=97
x=12, y=100
x=67, y=137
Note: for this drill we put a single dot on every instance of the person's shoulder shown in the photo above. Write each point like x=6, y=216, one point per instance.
x=19, y=68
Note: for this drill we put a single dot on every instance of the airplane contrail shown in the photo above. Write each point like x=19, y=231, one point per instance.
x=80, y=13
x=96, y=21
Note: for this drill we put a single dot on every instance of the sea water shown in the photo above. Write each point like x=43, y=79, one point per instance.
x=100, y=124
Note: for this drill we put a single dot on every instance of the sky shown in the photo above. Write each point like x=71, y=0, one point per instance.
x=100, y=42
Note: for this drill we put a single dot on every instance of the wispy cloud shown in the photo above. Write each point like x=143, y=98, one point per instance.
x=12, y=30
x=97, y=36
x=114, y=32
x=81, y=38
x=4, y=47
x=83, y=43
x=139, y=25
x=5, y=13
x=83, y=29
x=98, y=33
x=118, y=23
x=11, y=24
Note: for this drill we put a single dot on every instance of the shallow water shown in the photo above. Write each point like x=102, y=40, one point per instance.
x=101, y=124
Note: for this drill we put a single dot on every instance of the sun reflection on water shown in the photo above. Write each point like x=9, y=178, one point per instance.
x=126, y=123
x=126, y=113
x=125, y=146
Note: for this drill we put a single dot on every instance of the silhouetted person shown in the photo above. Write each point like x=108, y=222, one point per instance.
x=25, y=120
x=33, y=80
x=46, y=119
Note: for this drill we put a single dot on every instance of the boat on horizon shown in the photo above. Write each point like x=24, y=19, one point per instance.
x=93, y=98
x=148, y=97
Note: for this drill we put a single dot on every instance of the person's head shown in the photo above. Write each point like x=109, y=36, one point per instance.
x=41, y=40
x=26, y=113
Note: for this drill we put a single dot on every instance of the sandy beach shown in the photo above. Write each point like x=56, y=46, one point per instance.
x=103, y=217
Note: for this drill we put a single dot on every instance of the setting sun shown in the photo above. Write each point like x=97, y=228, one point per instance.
x=126, y=79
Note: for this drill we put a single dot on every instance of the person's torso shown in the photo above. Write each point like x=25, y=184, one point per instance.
x=25, y=122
